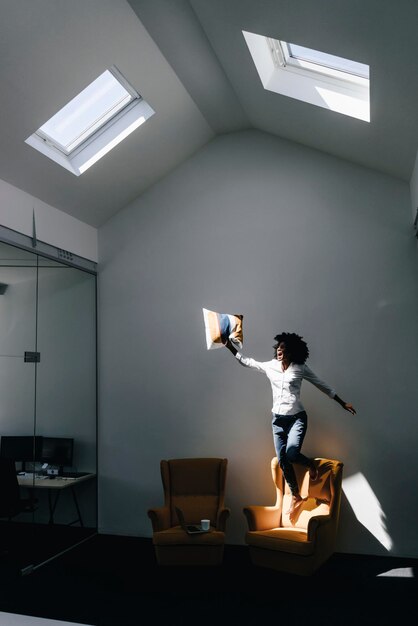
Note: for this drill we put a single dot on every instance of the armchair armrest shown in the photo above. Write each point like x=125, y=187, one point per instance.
x=262, y=517
x=315, y=523
x=221, y=518
x=160, y=518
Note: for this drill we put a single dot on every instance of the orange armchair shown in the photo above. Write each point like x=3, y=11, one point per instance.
x=197, y=487
x=299, y=546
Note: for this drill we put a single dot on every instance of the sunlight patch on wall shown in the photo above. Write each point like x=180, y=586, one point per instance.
x=367, y=508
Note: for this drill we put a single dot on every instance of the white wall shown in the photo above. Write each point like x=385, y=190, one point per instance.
x=296, y=241
x=52, y=226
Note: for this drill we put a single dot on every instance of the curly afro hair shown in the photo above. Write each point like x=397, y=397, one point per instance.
x=296, y=348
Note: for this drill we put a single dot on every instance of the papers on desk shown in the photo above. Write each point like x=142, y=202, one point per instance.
x=31, y=475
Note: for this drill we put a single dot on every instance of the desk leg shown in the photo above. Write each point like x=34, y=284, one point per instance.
x=77, y=507
x=52, y=505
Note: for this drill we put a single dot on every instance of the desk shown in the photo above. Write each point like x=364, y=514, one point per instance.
x=55, y=485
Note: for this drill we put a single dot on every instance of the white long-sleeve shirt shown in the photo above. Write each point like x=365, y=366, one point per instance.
x=286, y=384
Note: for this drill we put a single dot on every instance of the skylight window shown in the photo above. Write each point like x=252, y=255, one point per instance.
x=312, y=76
x=322, y=62
x=86, y=113
x=92, y=123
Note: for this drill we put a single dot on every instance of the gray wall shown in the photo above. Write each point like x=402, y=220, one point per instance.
x=297, y=241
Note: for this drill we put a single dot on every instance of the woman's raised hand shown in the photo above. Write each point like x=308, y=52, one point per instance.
x=349, y=407
x=228, y=344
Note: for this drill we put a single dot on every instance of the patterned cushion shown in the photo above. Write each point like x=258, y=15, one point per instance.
x=221, y=326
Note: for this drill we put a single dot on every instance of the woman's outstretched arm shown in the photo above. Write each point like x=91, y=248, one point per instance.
x=309, y=375
x=245, y=361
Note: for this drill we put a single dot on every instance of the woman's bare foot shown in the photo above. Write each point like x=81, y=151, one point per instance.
x=294, y=505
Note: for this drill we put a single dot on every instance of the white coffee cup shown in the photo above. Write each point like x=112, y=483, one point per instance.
x=205, y=524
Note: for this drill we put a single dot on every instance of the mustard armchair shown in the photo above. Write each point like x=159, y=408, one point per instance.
x=197, y=487
x=302, y=545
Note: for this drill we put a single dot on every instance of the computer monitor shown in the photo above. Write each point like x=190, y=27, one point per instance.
x=57, y=451
x=22, y=448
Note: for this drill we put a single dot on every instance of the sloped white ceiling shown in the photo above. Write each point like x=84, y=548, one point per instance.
x=189, y=60
x=380, y=33
x=51, y=50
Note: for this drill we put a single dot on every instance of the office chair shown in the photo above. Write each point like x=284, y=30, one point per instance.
x=301, y=545
x=197, y=487
x=11, y=504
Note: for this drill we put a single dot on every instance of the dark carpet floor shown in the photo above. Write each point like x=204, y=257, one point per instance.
x=114, y=581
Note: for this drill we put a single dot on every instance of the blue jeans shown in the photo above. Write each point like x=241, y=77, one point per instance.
x=288, y=435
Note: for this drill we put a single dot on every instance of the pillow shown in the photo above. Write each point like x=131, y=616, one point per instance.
x=221, y=326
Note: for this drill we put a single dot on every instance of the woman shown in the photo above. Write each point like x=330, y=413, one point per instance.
x=289, y=421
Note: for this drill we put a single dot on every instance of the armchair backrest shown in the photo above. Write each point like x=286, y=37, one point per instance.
x=196, y=486
x=322, y=496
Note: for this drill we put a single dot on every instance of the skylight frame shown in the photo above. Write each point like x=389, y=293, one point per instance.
x=314, y=83
x=329, y=64
x=103, y=139
x=106, y=117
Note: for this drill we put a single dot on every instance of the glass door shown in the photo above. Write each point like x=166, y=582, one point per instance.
x=18, y=340
x=48, y=416
x=66, y=405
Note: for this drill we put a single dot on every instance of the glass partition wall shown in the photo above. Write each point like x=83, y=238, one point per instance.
x=48, y=415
